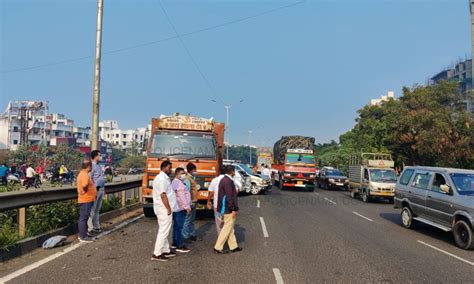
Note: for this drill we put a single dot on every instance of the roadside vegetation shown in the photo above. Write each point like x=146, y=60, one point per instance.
x=427, y=125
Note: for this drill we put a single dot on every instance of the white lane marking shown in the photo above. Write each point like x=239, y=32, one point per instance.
x=448, y=253
x=258, y=203
x=329, y=200
x=264, y=228
x=278, y=278
x=37, y=264
x=362, y=216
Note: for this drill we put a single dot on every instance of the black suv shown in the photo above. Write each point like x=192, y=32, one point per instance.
x=329, y=178
x=440, y=197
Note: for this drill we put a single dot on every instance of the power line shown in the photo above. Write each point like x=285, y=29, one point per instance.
x=203, y=76
x=144, y=44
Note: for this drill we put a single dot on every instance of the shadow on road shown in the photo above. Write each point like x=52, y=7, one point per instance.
x=421, y=228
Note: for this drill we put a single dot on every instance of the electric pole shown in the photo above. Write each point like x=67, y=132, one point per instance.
x=96, y=95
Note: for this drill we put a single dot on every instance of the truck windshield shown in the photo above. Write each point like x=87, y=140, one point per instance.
x=294, y=159
x=186, y=144
x=464, y=183
x=379, y=175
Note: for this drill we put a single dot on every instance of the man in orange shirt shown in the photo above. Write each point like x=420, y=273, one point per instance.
x=86, y=194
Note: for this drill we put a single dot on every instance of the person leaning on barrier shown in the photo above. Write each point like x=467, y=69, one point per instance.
x=86, y=195
x=97, y=176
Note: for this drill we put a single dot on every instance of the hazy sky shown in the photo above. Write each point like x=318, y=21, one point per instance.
x=305, y=69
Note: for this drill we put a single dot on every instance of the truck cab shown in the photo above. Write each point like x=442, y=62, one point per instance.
x=371, y=176
x=298, y=170
x=181, y=140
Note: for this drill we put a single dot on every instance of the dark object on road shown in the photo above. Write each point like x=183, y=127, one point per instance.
x=439, y=197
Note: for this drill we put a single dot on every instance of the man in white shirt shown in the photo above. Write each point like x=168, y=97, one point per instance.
x=30, y=175
x=213, y=193
x=266, y=172
x=164, y=203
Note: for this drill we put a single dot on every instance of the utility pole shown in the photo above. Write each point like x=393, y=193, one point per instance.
x=250, y=149
x=96, y=95
x=470, y=91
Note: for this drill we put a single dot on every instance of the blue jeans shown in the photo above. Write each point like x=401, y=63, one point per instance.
x=84, y=213
x=178, y=222
x=188, y=228
x=94, y=222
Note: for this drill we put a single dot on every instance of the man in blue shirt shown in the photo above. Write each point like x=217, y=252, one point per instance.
x=3, y=174
x=97, y=176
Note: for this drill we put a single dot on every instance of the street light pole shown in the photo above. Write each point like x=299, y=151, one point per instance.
x=250, y=149
x=96, y=95
x=227, y=107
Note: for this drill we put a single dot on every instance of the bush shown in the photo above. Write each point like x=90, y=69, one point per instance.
x=133, y=162
x=8, y=229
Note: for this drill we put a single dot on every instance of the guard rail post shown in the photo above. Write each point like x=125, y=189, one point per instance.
x=22, y=219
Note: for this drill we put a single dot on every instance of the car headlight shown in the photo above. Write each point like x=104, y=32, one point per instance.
x=311, y=176
x=150, y=183
x=331, y=180
x=206, y=185
x=287, y=175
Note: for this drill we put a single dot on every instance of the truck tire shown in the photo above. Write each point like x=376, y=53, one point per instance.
x=149, y=212
x=365, y=197
x=407, y=217
x=463, y=235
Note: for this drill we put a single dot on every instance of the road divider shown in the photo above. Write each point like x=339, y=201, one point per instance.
x=447, y=253
x=264, y=228
x=278, y=278
x=362, y=216
x=258, y=203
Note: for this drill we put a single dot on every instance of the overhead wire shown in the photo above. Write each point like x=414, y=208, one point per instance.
x=183, y=44
x=144, y=44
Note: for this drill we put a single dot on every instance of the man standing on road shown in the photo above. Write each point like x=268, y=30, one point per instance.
x=189, y=231
x=183, y=200
x=164, y=201
x=212, y=200
x=228, y=206
x=86, y=195
x=97, y=176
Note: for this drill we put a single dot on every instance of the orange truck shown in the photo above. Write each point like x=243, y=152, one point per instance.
x=183, y=139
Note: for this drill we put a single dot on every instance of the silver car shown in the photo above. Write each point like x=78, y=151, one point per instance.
x=440, y=197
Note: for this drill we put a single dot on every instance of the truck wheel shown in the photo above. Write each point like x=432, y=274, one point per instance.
x=407, y=218
x=254, y=189
x=149, y=212
x=463, y=235
x=365, y=196
x=391, y=200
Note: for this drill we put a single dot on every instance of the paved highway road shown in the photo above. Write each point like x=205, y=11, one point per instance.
x=321, y=236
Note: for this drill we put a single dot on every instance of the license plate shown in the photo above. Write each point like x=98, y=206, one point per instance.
x=299, y=182
x=339, y=184
x=200, y=207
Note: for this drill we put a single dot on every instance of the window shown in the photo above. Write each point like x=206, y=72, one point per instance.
x=366, y=174
x=117, y=136
x=15, y=142
x=422, y=180
x=124, y=143
x=108, y=135
x=124, y=135
x=406, y=176
x=136, y=136
x=15, y=129
x=438, y=181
